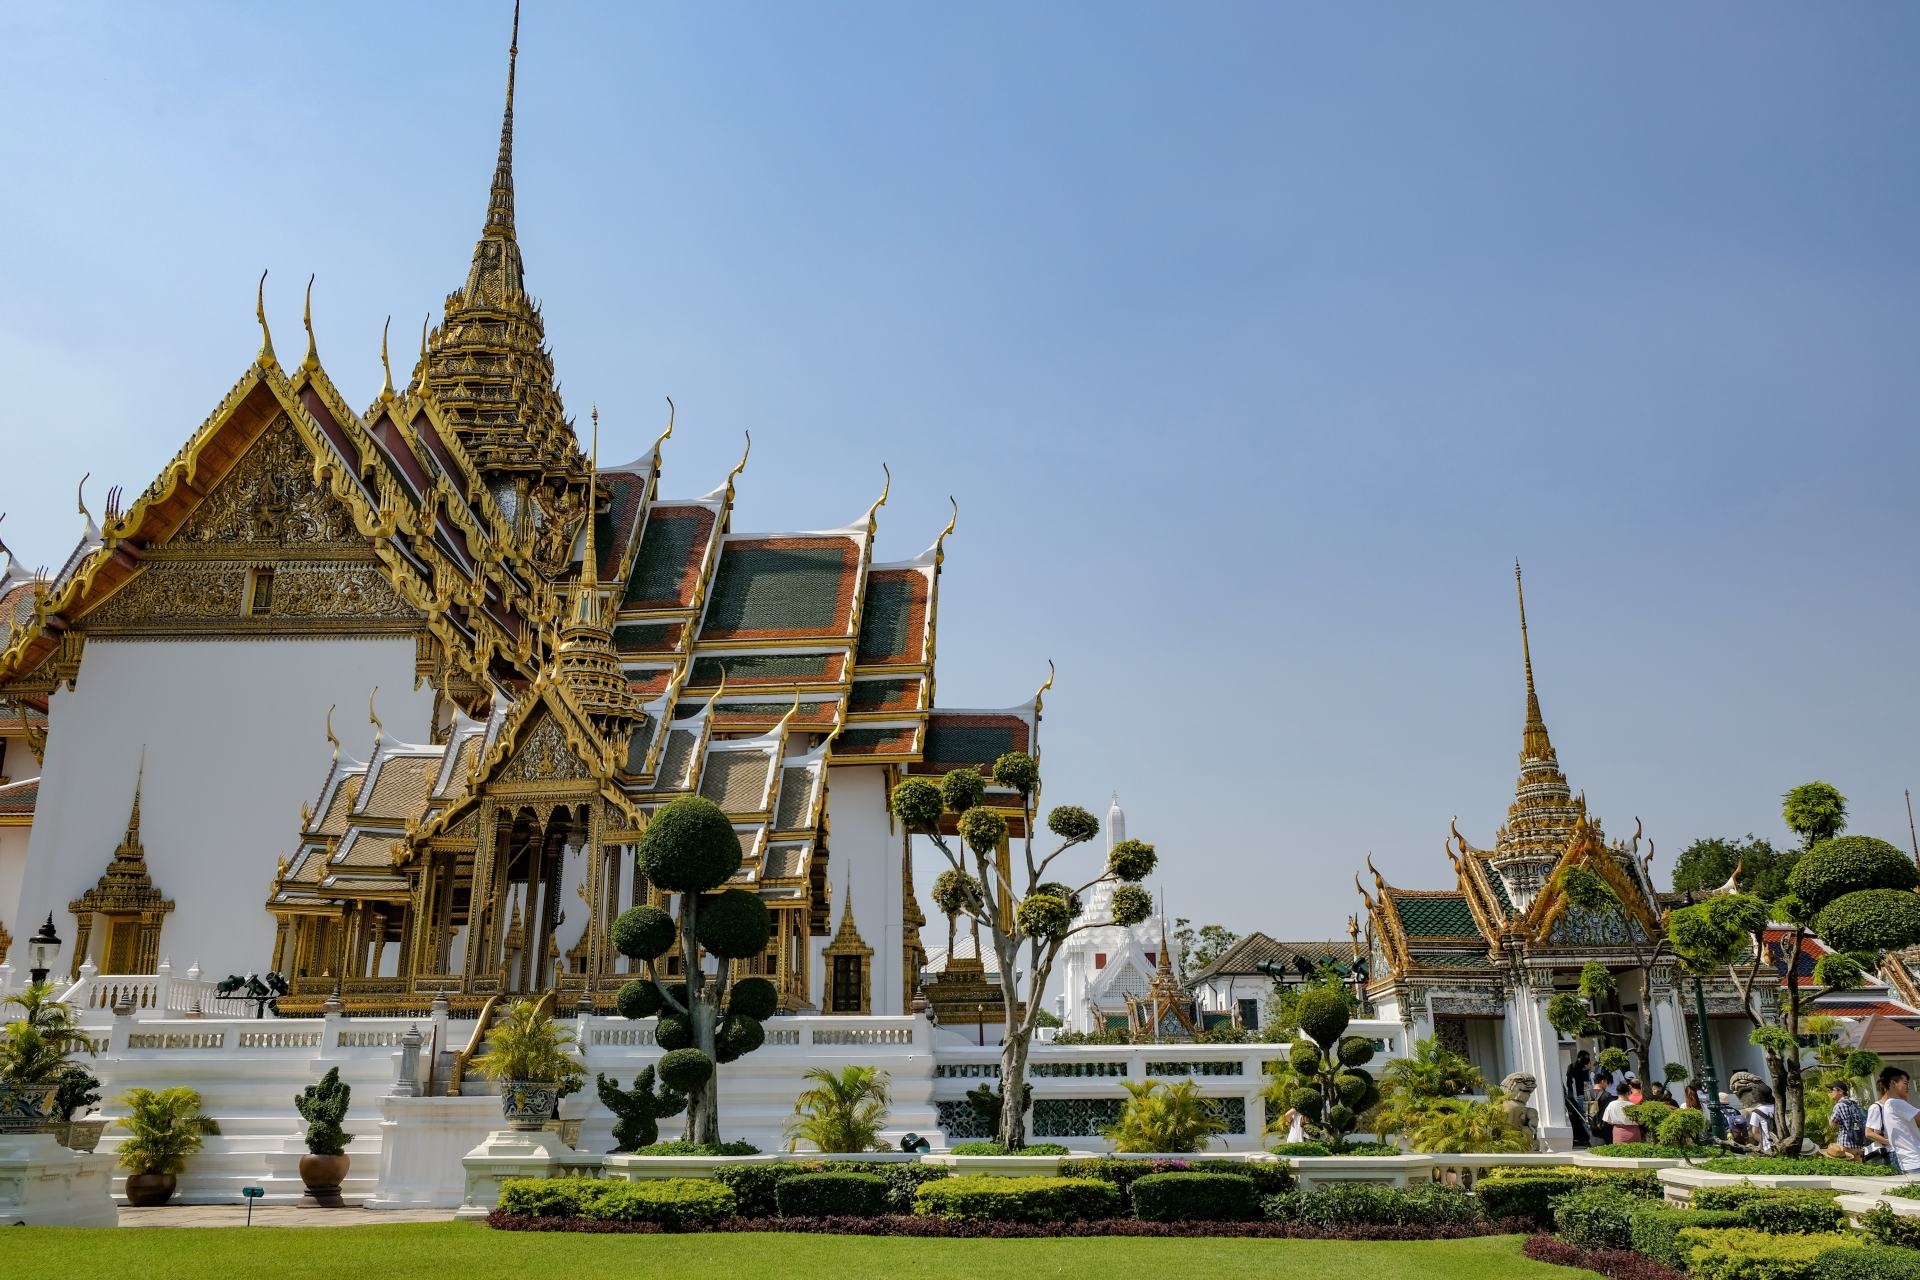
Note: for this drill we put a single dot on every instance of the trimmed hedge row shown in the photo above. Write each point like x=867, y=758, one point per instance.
x=1529, y=1192
x=832, y=1195
x=756, y=1186
x=671, y=1204
x=1031, y=1200
x=1741, y=1253
x=1195, y=1197
x=1268, y=1178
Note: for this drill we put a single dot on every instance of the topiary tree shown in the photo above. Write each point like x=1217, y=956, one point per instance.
x=323, y=1106
x=689, y=850
x=1036, y=918
x=1332, y=1087
x=638, y=1111
x=1814, y=811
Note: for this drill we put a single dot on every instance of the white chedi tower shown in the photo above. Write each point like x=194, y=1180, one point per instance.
x=1101, y=967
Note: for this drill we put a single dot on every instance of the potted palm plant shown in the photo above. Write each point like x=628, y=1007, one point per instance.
x=34, y=1053
x=529, y=1055
x=844, y=1111
x=167, y=1126
x=323, y=1106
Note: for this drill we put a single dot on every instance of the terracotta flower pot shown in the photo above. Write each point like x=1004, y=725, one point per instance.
x=322, y=1176
x=145, y=1190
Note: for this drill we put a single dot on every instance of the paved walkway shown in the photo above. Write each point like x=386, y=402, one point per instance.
x=279, y=1215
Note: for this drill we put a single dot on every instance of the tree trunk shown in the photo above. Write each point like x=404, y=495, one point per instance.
x=703, y=1104
x=1013, y=1049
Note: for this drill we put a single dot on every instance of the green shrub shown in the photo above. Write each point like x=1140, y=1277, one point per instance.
x=1037, y=1200
x=1684, y=1130
x=1884, y=1226
x=676, y=1204
x=734, y=1149
x=1347, y=1204
x=1596, y=1218
x=1807, y=1213
x=831, y=1195
x=1869, y=1262
x=1846, y=865
x=996, y=1149
x=550, y=1197
x=1529, y=1192
x=903, y=1179
x=755, y=1186
x=1269, y=1177
x=1656, y=1150
x=1195, y=1197
x=1656, y=1230
x=1743, y=1194
x=1817, y=1166
x=1739, y=1253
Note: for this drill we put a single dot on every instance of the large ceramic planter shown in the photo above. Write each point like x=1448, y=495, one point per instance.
x=78, y=1135
x=323, y=1176
x=25, y=1108
x=528, y=1104
x=147, y=1190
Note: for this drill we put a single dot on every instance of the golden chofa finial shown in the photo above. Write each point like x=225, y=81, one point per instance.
x=881, y=501
x=420, y=367
x=672, y=412
x=266, y=356
x=386, y=368
x=333, y=739
x=1041, y=693
x=81, y=498
x=1362, y=891
x=741, y=465
x=940, y=543
x=312, y=359
x=379, y=730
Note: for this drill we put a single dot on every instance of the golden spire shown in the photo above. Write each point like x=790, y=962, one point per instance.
x=130, y=848
x=386, y=366
x=1534, y=743
x=260, y=313
x=500, y=200
x=312, y=360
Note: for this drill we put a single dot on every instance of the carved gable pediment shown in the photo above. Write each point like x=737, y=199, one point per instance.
x=543, y=755
x=267, y=551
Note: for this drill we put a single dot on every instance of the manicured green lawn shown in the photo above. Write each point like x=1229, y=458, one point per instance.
x=472, y=1252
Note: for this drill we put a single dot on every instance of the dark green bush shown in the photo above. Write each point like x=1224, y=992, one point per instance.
x=1802, y=1214
x=1301, y=1149
x=1596, y=1218
x=733, y=924
x=1742, y=1194
x=1269, y=1177
x=1656, y=1150
x=831, y=1195
x=997, y=1149
x=1529, y=1192
x=755, y=1186
x=689, y=846
x=1871, y=920
x=1347, y=1204
x=1869, y=1262
x=676, y=1204
x=1884, y=1226
x=1038, y=1200
x=1845, y=865
x=1195, y=1197
x=1818, y=1166
x=903, y=1179
x=1656, y=1230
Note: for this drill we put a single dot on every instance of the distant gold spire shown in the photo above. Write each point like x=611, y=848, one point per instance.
x=312, y=360
x=130, y=848
x=386, y=366
x=1534, y=742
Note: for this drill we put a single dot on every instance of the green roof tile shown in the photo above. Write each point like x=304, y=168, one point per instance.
x=1443, y=916
x=665, y=548
x=779, y=588
x=763, y=666
x=886, y=618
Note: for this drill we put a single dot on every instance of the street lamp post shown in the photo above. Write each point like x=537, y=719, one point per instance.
x=1711, y=1102
x=43, y=948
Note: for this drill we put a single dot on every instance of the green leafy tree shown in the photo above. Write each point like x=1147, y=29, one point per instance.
x=1814, y=811
x=1202, y=946
x=1158, y=1116
x=638, y=1111
x=843, y=1112
x=1853, y=893
x=1029, y=914
x=1590, y=1013
x=689, y=851
x=1706, y=865
x=1282, y=1020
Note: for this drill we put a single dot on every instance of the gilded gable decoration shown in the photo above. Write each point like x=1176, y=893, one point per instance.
x=849, y=962
x=270, y=499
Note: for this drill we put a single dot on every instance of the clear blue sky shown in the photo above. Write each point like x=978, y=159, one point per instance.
x=1255, y=341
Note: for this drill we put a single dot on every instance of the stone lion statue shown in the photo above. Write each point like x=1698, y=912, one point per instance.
x=1515, y=1090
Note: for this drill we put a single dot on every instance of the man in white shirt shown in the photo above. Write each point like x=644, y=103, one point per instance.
x=1895, y=1121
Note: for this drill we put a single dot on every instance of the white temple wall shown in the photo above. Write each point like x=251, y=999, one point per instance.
x=13, y=870
x=235, y=743
x=865, y=845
